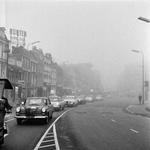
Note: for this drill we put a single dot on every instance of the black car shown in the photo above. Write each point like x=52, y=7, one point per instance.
x=35, y=108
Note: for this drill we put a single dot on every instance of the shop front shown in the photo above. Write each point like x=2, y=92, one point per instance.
x=46, y=89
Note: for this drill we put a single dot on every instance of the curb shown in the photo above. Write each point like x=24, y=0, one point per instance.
x=147, y=108
x=129, y=110
x=145, y=113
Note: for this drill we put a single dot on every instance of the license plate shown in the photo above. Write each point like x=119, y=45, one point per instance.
x=30, y=117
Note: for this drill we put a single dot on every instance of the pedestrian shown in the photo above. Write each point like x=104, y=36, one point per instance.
x=140, y=98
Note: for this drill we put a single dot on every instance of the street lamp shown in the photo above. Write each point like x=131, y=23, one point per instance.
x=32, y=43
x=144, y=19
x=142, y=72
x=27, y=71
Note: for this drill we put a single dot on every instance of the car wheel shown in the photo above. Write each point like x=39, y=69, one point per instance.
x=19, y=121
x=2, y=141
x=74, y=105
x=63, y=107
x=51, y=115
x=60, y=108
x=46, y=120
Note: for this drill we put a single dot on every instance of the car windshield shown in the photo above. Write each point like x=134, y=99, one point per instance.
x=54, y=99
x=35, y=101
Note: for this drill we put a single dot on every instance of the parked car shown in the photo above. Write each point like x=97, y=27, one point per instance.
x=57, y=102
x=109, y=96
x=70, y=100
x=99, y=98
x=81, y=99
x=34, y=108
x=89, y=99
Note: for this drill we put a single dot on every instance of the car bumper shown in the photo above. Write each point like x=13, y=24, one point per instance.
x=30, y=117
x=70, y=105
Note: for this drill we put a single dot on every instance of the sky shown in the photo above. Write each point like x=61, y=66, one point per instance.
x=101, y=32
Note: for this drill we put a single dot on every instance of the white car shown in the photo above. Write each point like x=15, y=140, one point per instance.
x=71, y=101
x=89, y=99
x=57, y=102
x=98, y=98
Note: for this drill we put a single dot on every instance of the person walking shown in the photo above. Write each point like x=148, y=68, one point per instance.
x=140, y=98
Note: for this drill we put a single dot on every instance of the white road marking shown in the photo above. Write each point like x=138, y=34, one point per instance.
x=134, y=131
x=47, y=146
x=113, y=120
x=46, y=132
x=49, y=136
x=47, y=141
x=55, y=137
x=129, y=110
x=50, y=133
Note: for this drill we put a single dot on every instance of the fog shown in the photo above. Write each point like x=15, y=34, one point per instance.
x=102, y=33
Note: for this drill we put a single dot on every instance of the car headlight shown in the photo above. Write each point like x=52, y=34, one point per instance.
x=57, y=103
x=18, y=109
x=43, y=110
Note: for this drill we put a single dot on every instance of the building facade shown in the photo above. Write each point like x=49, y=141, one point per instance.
x=59, y=80
x=4, y=44
x=47, y=82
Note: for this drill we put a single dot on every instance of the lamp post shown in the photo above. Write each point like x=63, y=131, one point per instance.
x=143, y=96
x=27, y=71
x=147, y=21
x=32, y=43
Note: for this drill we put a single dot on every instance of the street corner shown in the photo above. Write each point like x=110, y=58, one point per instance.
x=147, y=107
x=139, y=109
x=129, y=109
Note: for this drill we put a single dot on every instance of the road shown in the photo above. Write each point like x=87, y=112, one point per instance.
x=26, y=135
x=104, y=125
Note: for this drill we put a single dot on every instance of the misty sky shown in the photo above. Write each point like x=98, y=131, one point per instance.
x=99, y=32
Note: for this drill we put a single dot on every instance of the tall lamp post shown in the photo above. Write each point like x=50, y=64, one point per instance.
x=143, y=96
x=27, y=71
x=32, y=43
x=147, y=21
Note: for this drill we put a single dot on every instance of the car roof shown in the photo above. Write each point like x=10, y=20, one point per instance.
x=53, y=96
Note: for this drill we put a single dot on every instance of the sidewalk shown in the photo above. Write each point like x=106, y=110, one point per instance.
x=140, y=109
x=11, y=115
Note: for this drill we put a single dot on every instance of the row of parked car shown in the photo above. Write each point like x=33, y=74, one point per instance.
x=43, y=107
